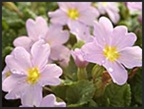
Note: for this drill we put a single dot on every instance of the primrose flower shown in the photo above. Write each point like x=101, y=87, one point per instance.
x=73, y=14
x=49, y=101
x=53, y=35
x=112, y=48
x=29, y=73
x=111, y=8
x=78, y=58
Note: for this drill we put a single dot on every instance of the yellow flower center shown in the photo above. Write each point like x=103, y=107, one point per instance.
x=104, y=3
x=33, y=75
x=73, y=14
x=111, y=53
x=7, y=74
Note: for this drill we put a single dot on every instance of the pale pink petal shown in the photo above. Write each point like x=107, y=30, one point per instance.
x=19, y=61
x=82, y=33
x=40, y=52
x=37, y=28
x=58, y=17
x=76, y=27
x=121, y=38
x=114, y=16
x=60, y=104
x=106, y=23
x=117, y=72
x=61, y=54
x=83, y=6
x=56, y=36
x=23, y=41
x=50, y=101
x=73, y=24
x=131, y=57
x=50, y=75
x=113, y=6
x=64, y=6
x=78, y=58
x=102, y=31
x=18, y=90
x=93, y=53
x=6, y=69
x=134, y=6
x=10, y=82
x=100, y=7
x=32, y=96
x=88, y=16
x=14, y=65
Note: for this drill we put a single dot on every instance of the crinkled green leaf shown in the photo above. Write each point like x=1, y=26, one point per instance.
x=117, y=96
x=136, y=87
x=80, y=92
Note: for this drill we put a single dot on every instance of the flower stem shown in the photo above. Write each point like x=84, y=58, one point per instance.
x=48, y=89
x=82, y=74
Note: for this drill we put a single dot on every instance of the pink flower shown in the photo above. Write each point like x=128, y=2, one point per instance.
x=74, y=14
x=110, y=8
x=53, y=35
x=49, y=101
x=29, y=73
x=78, y=58
x=112, y=48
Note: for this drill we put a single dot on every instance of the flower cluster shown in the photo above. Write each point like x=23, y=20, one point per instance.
x=38, y=59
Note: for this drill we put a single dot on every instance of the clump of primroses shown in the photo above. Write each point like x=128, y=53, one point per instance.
x=38, y=58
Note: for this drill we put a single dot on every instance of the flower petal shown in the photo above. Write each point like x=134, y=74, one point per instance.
x=37, y=28
x=117, y=72
x=121, y=38
x=18, y=90
x=61, y=54
x=23, y=41
x=82, y=33
x=40, y=52
x=88, y=16
x=114, y=15
x=32, y=96
x=10, y=82
x=93, y=53
x=131, y=57
x=56, y=36
x=50, y=101
x=19, y=61
x=102, y=31
x=64, y=6
x=4, y=75
x=58, y=17
x=50, y=75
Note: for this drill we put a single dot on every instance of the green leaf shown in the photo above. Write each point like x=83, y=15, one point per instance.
x=69, y=72
x=60, y=91
x=92, y=103
x=117, y=96
x=80, y=92
x=136, y=87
